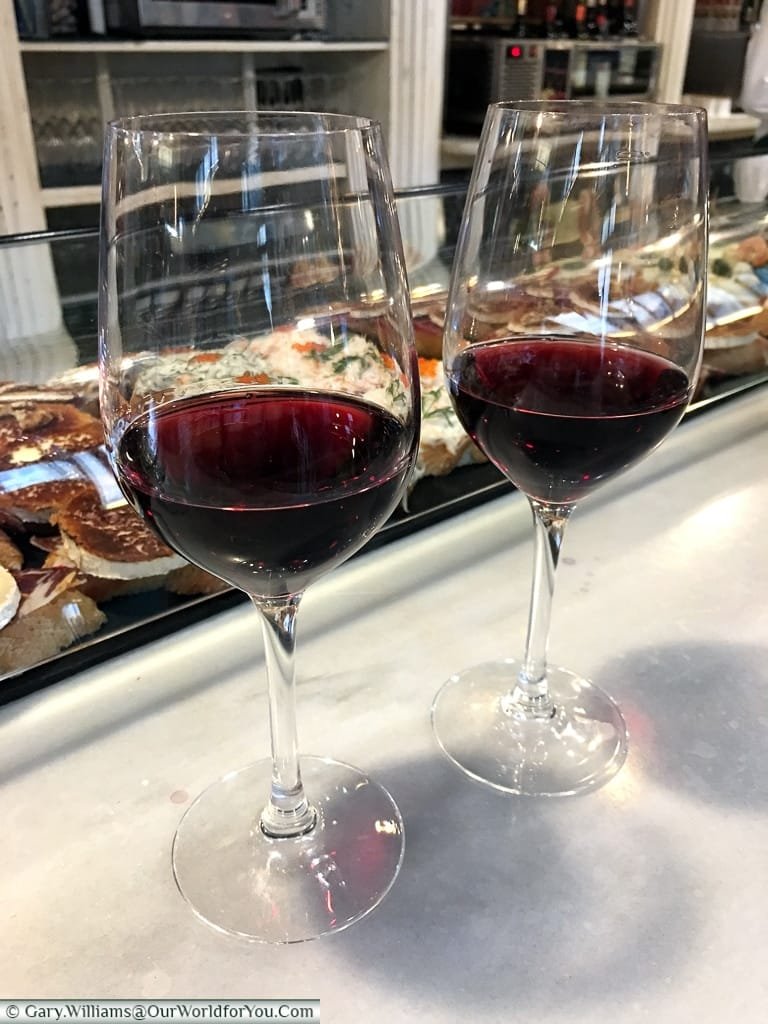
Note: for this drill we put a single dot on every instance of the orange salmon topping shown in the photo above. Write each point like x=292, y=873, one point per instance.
x=253, y=378
x=308, y=346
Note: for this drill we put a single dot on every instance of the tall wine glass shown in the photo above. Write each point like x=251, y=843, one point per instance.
x=260, y=396
x=572, y=344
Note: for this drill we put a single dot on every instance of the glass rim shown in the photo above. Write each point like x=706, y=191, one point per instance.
x=642, y=108
x=328, y=123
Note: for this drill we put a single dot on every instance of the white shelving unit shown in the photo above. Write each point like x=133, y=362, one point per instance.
x=30, y=311
x=104, y=79
x=395, y=76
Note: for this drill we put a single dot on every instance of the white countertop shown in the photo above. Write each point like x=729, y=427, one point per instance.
x=735, y=125
x=643, y=901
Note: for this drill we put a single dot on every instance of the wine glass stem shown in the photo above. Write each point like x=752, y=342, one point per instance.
x=531, y=694
x=288, y=812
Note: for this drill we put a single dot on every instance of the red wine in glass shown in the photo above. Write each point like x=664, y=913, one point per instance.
x=302, y=478
x=560, y=416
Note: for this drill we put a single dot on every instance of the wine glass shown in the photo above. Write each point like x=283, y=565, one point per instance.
x=260, y=394
x=572, y=345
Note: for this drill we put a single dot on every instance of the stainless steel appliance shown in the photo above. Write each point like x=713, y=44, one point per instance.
x=274, y=18
x=483, y=69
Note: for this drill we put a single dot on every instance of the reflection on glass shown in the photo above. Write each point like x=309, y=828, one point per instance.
x=260, y=394
x=572, y=347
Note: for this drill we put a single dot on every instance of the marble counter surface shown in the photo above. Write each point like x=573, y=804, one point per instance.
x=643, y=901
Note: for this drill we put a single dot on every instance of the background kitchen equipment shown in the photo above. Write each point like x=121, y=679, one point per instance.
x=483, y=69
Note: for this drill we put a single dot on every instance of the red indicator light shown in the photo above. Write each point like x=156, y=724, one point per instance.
x=515, y=52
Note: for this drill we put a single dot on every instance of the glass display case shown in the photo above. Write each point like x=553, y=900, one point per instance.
x=48, y=304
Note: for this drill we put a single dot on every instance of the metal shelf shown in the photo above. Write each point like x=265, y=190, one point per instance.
x=72, y=195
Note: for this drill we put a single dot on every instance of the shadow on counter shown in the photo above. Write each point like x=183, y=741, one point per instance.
x=698, y=714
x=528, y=905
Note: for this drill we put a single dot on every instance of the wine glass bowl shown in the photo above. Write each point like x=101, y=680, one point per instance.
x=572, y=345
x=260, y=394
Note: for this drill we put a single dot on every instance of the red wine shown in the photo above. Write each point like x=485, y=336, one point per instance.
x=267, y=489
x=560, y=416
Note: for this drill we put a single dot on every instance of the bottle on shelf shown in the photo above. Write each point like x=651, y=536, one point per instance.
x=520, y=24
x=554, y=27
x=628, y=28
x=602, y=20
x=590, y=20
x=580, y=22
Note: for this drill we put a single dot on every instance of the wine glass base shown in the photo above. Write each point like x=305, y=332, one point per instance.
x=578, y=747
x=245, y=883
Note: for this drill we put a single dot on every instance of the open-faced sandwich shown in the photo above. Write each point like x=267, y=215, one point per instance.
x=42, y=612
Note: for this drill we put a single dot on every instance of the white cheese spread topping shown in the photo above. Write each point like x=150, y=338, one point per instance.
x=10, y=596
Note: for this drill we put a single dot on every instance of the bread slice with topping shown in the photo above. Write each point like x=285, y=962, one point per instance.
x=111, y=543
x=117, y=554
x=444, y=443
x=37, y=504
x=32, y=430
x=51, y=615
x=112, y=549
x=740, y=347
x=192, y=581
